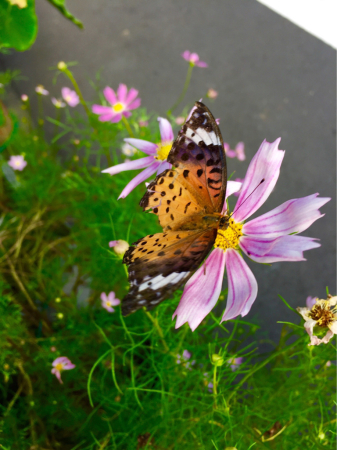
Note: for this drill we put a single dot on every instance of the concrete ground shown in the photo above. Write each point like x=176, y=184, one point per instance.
x=273, y=78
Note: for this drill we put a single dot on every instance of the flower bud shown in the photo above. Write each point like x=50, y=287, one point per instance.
x=120, y=247
x=60, y=316
x=24, y=97
x=62, y=65
x=217, y=360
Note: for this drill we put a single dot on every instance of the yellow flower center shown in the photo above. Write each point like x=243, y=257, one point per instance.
x=322, y=313
x=59, y=367
x=108, y=303
x=118, y=107
x=163, y=151
x=229, y=238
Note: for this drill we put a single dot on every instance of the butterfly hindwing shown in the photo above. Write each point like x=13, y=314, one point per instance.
x=197, y=183
x=160, y=263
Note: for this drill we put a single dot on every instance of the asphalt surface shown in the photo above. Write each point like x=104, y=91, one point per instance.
x=274, y=79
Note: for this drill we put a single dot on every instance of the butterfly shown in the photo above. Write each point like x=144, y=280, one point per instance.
x=188, y=200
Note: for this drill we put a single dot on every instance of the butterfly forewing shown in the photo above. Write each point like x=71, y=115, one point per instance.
x=188, y=200
x=160, y=263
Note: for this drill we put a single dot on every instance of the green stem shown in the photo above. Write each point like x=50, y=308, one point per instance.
x=58, y=119
x=40, y=120
x=78, y=91
x=214, y=381
x=182, y=95
x=160, y=332
x=127, y=126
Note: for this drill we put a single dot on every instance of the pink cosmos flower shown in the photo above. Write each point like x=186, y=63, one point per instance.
x=24, y=97
x=235, y=363
x=239, y=151
x=70, y=97
x=17, y=162
x=193, y=59
x=58, y=103
x=61, y=363
x=121, y=104
x=310, y=301
x=155, y=162
x=143, y=123
x=108, y=301
x=269, y=238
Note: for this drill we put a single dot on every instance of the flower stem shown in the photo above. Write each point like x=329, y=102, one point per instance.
x=182, y=95
x=127, y=126
x=215, y=392
x=160, y=332
x=40, y=120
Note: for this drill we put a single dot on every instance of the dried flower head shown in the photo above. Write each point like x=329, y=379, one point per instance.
x=322, y=316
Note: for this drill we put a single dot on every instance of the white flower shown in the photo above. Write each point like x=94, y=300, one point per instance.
x=322, y=315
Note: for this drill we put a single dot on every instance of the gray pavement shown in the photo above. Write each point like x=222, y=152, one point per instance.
x=274, y=79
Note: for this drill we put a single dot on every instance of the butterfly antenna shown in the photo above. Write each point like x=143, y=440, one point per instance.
x=262, y=181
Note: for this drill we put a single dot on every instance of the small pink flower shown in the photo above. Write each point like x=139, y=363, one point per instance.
x=24, y=97
x=61, y=363
x=70, y=97
x=53, y=349
x=239, y=151
x=180, y=120
x=186, y=355
x=17, y=162
x=193, y=59
x=212, y=93
x=235, y=363
x=155, y=162
x=108, y=301
x=58, y=103
x=270, y=238
x=121, y=104
x=143, y=123
x=310, y=301
x=217, y=121
x=41, y=90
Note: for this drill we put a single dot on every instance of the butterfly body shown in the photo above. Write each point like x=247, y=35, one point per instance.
x=188, y=200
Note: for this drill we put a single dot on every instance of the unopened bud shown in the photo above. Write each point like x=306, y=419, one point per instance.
x=217, y=360
x=24, y=97
x=120, y=247
x=321, y=435
x=61, y=65
x=60, y=316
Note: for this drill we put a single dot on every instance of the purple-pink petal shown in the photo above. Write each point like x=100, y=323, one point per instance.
x=311, y=301
x=284, y=248
x=127, y=114
x=116, y=118
x=139, y=178
x=164, y=166
x=201, y=64
x=100, y=109
x=242, y=286
x=121, y=93
x=293, y=216
x=264, y=166
x=145, y=146
x=131, y=165
x=202, y=291
x=186, y=55
x=240, y=151
x=135, y=104
x=166, y=132
x=110, y=95
x=232, y=187
x=132, y=94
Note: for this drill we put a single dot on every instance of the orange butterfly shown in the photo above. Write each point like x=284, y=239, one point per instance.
x=188, y=200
